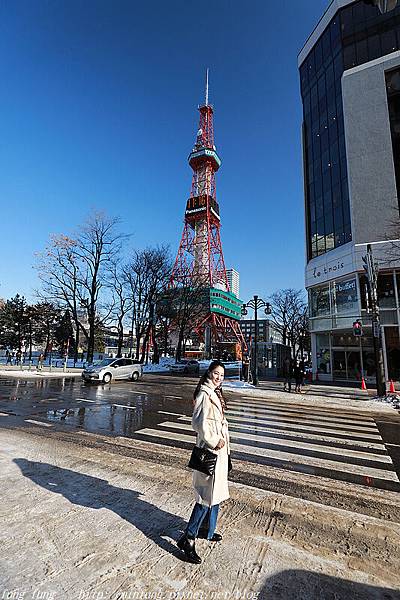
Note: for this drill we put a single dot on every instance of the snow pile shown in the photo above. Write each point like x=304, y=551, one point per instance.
x=393, y=399
x=162, y=367
x=236, y=384
x=150, y=368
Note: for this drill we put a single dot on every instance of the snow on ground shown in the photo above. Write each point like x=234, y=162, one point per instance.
x=162, y=367
x=26, y=374
x=237, y=384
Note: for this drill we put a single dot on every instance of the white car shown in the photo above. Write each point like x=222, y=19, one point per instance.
x=186, y=367
x=113, y=368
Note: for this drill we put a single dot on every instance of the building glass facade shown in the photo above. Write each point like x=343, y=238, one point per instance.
x=393, y=98
x=358, y=33
x=334, y=306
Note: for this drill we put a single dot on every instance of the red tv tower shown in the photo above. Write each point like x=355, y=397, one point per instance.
x=200, y=254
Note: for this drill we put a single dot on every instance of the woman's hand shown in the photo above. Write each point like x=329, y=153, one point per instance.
x=220, y=444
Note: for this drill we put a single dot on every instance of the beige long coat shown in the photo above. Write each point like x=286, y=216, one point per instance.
x=209, y=423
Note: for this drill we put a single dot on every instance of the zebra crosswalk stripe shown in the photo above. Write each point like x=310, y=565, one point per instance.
x=300, y=442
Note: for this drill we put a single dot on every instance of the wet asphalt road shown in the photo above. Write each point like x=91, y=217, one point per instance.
x=118, y=408
x=123, y=408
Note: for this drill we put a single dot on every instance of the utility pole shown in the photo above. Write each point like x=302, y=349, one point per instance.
x=255, y=303
x=371, y=270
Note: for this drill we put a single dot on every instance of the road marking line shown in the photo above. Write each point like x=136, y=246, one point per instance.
x=284, y=414
x=384, y=458
x=164, y=412
x=135, y=392
x=177, y=397
x=286, y=458
x=281, y=404
x=300, y=428
x=309, y=436
x=85, y=400
x=38, y=422
x=124, y=406
x=301, y=414
x=299, y=421
x=4, y=414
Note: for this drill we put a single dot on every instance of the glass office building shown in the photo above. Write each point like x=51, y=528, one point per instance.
x=350, y=88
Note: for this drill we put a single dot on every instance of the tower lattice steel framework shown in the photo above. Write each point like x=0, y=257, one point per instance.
x=200, y=256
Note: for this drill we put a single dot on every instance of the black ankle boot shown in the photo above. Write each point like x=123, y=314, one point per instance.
x=187, y=545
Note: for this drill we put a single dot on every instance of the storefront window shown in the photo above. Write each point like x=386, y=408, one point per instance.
x=392, y=342
x=323, y=354
x=320, y=301
x=345, y=296
x=386, y=297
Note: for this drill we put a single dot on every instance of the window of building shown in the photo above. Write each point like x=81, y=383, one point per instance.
x=323, y=353
x=345, y=297
x=393, y=99
x=386, y=297
x=357, y=33
x=319, y=301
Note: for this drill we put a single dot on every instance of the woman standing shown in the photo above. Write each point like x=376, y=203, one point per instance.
x=211, y=426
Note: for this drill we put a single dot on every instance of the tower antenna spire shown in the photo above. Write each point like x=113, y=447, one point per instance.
x=207, y=87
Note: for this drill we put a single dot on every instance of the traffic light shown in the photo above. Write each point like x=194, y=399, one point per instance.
x=357, y=328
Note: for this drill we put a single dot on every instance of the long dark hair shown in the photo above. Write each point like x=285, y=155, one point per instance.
x=213, y=365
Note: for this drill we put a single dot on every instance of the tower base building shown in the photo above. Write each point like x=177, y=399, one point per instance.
x=350, y=87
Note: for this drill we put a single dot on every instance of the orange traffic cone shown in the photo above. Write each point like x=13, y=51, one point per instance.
x=363, y=386
x=391, y=388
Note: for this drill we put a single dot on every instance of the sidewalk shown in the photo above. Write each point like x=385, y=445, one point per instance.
x=81, y=522
x=312, y=395
x=16, y=371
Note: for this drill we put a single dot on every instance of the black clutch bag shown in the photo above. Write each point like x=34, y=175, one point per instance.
x=203, y=460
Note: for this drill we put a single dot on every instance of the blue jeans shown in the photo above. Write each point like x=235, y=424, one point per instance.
x=196, y=518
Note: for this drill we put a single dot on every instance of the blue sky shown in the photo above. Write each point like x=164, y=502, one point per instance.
x=99, y=110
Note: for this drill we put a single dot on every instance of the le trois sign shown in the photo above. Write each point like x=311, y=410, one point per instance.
x=324, y=268
x=320, y=271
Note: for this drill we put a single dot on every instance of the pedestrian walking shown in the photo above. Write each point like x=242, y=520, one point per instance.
x=288, y=374
x=298, y=378
x=211, y=426
x=9, y=357
x=40, y=362
x=245, y=368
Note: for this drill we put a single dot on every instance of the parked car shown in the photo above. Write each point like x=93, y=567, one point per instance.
x=185, y=367
x=113, y=368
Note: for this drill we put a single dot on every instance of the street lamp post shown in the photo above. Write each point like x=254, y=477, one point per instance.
x=256, y=303
x=371, y=270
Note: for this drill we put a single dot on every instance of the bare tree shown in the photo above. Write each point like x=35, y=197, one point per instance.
x=59, y=271
x=302, y=338
x=97, y=247
x=74, y=271
x=120, y=302
x=289, y=316
x=146, y=276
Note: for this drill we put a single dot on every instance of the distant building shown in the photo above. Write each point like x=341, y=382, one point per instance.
x=265, y=329
x=233, y=280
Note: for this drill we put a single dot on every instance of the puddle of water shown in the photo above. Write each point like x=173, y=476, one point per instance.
x=116, y=419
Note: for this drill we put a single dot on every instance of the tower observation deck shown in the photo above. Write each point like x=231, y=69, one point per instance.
x=200, y=257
